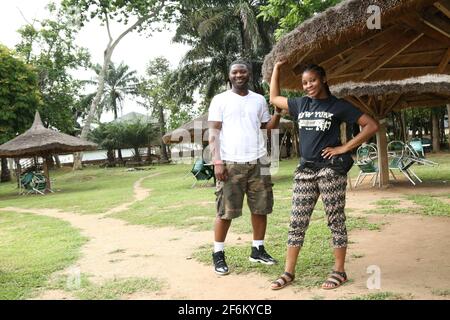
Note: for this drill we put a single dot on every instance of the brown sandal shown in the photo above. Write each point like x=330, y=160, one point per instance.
x=335, y=279
x=284, y=280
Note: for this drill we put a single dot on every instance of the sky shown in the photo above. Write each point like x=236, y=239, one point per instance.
x=133, y=49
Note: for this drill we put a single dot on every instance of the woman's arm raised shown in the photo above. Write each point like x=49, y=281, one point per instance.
x=275, y=98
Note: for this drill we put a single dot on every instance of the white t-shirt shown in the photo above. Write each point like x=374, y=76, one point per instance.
x=241, y=138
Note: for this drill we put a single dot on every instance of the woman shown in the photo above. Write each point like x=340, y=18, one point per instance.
x=323, y=165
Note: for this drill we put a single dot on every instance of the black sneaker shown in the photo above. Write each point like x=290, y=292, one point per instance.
x=220, y=266
x=260, y=255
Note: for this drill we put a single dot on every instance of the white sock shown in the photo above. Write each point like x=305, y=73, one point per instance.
x=218, y=246
x=258, y=243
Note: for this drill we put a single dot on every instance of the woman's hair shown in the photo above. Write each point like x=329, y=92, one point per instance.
x=320, y=71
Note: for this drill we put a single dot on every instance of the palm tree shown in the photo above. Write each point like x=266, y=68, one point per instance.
x=120, y=82
x=219, y=32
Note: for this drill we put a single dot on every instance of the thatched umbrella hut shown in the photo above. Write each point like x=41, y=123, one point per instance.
x=40, y=141
x=412, y=39
x=196, y=131
x=380, y=98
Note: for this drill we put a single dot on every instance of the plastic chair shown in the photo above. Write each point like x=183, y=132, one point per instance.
x=403, y=164
x=416, y=152
x=396, y=148
x=33, y=182
x=202, y=172
x=417, y=147
x=366, y=156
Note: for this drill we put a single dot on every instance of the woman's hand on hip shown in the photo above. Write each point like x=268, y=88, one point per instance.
x=330, y=152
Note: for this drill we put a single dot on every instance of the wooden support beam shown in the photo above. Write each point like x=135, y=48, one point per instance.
x=394, y=102
x=444, y=62
x=435, y=22
x=444, y=7
x=349, y=47
x=394, y=49
x=360, y=52
x=362, y=106
x=383, y=103
x=298, y=63
x=416, y=22
x=420, y=53
x=428, y=103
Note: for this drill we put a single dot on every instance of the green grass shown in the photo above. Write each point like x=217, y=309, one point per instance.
x=430, y=205
x=91, y=190
x=440, y=292
x=439, y=173
x=118, y=289
x=110, y=290
x=32, y=248
x=382, y=296
x=315, y=260
x=387, y=202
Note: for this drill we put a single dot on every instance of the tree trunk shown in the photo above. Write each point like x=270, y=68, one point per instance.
x=137, y=155
x=57, y=161
x=50, y=162
x=119, y=151
x=448, y=123
x=6, y=174
x=435, y=131
x=162, y=130
x=110, y=157
x=101, y=84
x=403, y=125
x=77, y=165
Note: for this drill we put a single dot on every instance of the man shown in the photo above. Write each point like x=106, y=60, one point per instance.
x=241, y=166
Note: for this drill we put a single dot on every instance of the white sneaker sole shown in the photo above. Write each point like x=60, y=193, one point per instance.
x=221, y=273
x=259, y=261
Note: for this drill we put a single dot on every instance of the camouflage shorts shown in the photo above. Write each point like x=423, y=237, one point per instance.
x=252, y=179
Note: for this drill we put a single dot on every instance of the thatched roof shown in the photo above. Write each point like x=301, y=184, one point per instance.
x=134, y=117
x=381, y=97
x=187, y=131
x=414, y=40
x=38, y=141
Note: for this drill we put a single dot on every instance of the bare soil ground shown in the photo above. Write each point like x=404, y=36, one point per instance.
x=411, y=251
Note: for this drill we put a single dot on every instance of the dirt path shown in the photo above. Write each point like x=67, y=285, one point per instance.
x=413, y=253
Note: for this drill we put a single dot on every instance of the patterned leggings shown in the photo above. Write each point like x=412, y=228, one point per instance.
x=308, y=185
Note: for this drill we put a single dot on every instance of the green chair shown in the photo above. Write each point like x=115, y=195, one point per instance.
x=33, y=182
x=366, y=156
x=416, y=152
x=202, y=172
x=403, y=164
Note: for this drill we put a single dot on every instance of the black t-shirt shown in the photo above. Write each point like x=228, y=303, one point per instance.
x=319, y=121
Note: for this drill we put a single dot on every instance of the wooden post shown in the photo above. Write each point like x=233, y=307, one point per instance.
x=383, y=163
x=435, y=131
x=48, y=186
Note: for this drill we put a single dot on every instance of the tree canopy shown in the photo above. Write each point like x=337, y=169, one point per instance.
x=19, y=95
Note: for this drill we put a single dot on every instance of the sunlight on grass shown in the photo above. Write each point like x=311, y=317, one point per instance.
x=112, y=289
x=33, y=247
x=91, y=190
x=382, y=296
